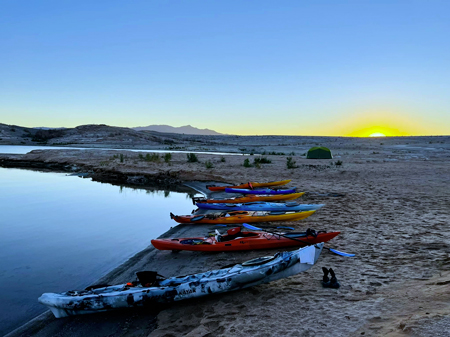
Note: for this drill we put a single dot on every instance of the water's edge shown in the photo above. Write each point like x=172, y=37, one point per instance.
x=125, y=271
x=161, y=180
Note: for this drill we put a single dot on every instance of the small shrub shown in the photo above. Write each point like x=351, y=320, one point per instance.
x=338, y=163
x=192, y=158
x=262, y=160
x=292, y=153
x=121, y=158
x=223, y=160
x=141, y=156
x=154, y=157
x=247, y=163
x=257, y=165
x=290, y=163
x=168, y=157
x=208, y=164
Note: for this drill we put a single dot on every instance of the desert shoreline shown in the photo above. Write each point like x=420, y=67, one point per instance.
x=392, y=212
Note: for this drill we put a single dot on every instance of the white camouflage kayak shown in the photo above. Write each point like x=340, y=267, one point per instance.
x=150, y=292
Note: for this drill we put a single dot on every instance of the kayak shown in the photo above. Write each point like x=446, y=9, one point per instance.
x=250, y=198
x=240, y=217
x=239, y=240
x=265, y=191
x=152, y=289
x=249, y=185
x=262, y=206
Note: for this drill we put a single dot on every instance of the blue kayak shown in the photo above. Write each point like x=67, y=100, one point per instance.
x=264, y=191
x=261, y=206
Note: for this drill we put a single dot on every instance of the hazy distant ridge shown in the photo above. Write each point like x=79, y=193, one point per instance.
x=187, y=129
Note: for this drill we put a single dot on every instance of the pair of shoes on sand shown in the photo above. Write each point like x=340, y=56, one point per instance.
x=327, y=282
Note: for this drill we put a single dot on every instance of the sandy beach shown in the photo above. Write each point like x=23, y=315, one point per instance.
x=388, y=197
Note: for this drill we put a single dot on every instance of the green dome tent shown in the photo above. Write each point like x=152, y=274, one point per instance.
x=319, y=152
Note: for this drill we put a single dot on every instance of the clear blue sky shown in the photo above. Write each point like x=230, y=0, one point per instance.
x=245, y=67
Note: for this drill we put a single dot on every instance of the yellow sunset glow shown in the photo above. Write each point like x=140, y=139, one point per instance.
x=378, y=121
x=375, y=131
x=377, y=134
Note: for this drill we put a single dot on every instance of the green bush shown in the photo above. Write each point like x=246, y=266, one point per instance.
x=168, y=157
x=141, y=156
x=208, y=164
x=290, y=163
x=247, y=163
x=192, y=158
x=154, y=157
x=338, y=163
x=223, y=160
x=262, y=160
x=121, y=158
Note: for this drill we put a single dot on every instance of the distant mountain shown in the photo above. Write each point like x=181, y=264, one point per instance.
x=46, y=128
x=187, y=129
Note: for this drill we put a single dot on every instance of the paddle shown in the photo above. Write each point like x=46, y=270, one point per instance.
x=235, y=225
x=246, y=225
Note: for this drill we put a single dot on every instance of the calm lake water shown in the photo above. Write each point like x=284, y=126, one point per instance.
x=22, y=149
x=60, y=232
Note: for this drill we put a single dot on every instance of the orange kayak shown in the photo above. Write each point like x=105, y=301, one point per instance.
x=250, y=198
x=242, y=241
x=249, y=185
x=240, y=217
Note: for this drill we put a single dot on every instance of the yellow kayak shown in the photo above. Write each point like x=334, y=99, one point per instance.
x=241, y=217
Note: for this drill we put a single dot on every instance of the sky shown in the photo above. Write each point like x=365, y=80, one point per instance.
x=331, y=68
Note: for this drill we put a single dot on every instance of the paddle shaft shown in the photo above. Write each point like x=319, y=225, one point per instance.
x=310, y=244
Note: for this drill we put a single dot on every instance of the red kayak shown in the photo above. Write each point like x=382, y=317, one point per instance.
x=236, y=239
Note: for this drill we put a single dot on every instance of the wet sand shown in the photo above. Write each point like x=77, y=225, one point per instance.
x=389, y=200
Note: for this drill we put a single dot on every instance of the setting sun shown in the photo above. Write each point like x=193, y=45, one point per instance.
x=377, y=134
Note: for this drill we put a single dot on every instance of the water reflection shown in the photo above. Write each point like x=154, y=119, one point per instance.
x=22, y=149
x=60, y=232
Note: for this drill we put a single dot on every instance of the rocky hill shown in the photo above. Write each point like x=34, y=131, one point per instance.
x=92, y=135
x=187, y=129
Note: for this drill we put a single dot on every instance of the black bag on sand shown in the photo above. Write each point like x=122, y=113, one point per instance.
x=149, y=278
